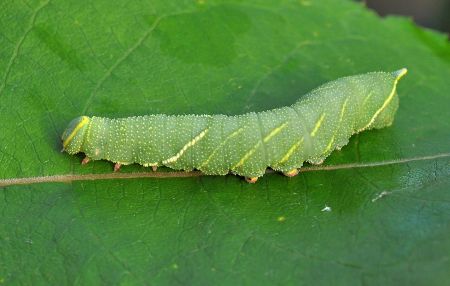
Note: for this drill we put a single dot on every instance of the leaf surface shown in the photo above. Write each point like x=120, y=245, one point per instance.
x=377, y=212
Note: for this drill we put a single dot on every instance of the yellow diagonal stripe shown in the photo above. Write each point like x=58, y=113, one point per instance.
x=235, y=133
x=291, y=151
x=400, y=74
x=247, y=155
x=275, y=132
x=317, y=126
x=265, y=139
x=186, y=146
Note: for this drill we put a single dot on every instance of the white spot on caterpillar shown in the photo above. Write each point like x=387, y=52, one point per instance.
x=317, y=126
x=185, y=147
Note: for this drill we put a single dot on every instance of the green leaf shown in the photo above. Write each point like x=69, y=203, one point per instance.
x=387, y=192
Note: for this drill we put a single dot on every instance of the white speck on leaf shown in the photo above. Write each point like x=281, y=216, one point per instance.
x=380, y=195
x=326, y=209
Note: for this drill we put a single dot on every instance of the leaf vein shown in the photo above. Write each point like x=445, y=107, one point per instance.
x=110, y=176
x=19, y=45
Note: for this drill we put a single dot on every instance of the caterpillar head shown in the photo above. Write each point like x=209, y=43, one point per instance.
x=73, y=136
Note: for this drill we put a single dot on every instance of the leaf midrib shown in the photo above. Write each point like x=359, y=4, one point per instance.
x=67, y=178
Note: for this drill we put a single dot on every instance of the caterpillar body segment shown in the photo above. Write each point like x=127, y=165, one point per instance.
x=282, y=138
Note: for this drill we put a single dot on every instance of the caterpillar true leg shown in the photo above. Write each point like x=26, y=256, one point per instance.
x=117, y=167
x=154, y=168
x=85, y=160
x=251, y=180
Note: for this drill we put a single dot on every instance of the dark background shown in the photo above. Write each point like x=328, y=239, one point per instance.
x=433, y=14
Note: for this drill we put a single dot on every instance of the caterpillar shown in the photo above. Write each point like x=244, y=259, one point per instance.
x=283, y=138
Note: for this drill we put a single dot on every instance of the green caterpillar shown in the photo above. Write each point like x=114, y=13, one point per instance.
x=281, y=138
